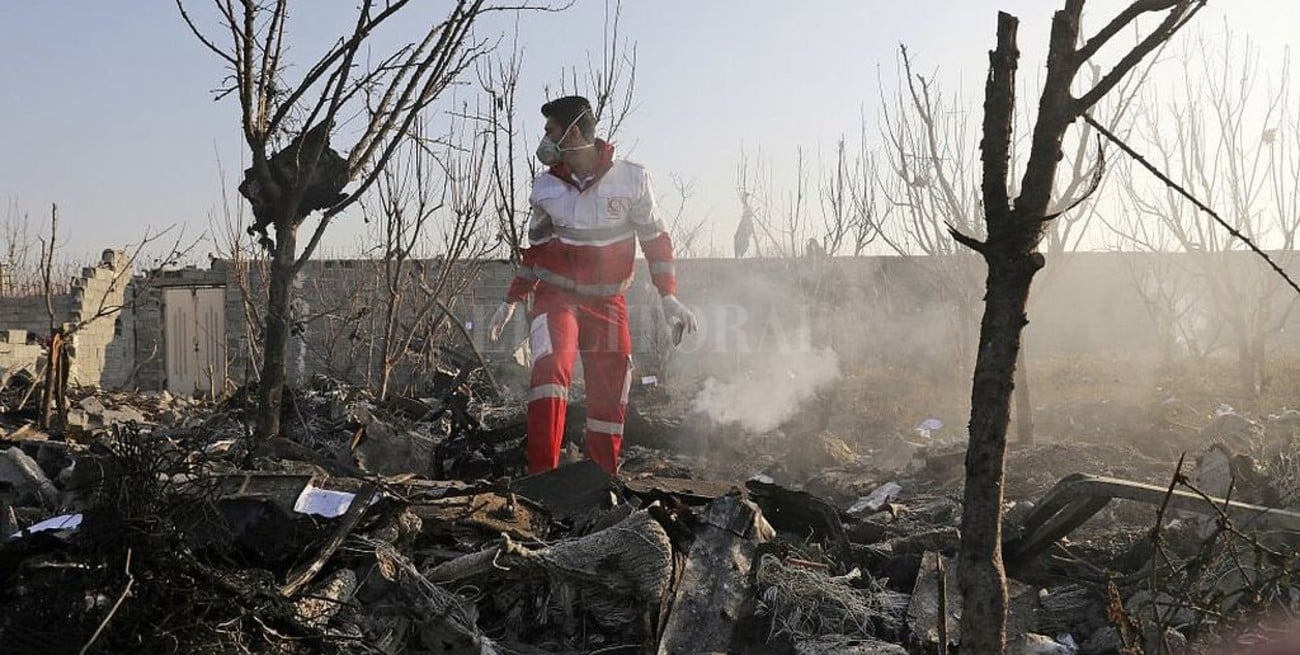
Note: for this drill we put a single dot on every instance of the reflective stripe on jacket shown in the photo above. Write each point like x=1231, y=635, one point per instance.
x=582, y=239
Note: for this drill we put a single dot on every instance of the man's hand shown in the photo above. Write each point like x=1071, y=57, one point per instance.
x=499, y=320
x=678, y=314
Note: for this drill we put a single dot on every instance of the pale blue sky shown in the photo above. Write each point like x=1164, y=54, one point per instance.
x=107, y=107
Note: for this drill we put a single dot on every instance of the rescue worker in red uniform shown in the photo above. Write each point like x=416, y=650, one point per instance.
x=588, y=211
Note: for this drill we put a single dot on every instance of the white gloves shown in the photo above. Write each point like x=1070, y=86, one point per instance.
x=679, y=316
x=499, y=320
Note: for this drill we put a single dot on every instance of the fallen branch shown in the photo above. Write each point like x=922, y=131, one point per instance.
x=303, y=576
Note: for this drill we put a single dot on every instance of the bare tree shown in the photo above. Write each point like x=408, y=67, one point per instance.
x=850, y=211
x=498, y=78
x=432, y=202
x=779, y=220
x=1234, y=141
x=22, y=263
x=685, y=230
x=928, y=184
x=288, y=124
x=1015, y=229
x=932, y=186
x=610, y=82
x=777, y=216
x=248, y=267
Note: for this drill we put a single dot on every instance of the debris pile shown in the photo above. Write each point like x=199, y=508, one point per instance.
x=157, y=524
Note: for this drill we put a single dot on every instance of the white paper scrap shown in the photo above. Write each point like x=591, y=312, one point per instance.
x=323, y=502
x=65, y=522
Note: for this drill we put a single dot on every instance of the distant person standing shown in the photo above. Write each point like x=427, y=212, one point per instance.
x=586, y=209
x=745, y=229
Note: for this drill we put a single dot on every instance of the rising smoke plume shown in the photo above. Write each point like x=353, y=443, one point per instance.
x=771, y=390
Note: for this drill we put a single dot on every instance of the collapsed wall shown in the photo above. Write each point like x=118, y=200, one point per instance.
x=94, y=305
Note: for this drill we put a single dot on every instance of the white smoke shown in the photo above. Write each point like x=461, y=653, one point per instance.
x=770, y=391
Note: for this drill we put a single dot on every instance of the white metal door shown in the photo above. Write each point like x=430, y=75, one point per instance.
x=196, y=339
x=210, y=334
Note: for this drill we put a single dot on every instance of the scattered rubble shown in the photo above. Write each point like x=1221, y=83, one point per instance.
x=150, y=523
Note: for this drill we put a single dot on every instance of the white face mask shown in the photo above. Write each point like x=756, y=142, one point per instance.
x=550, y=153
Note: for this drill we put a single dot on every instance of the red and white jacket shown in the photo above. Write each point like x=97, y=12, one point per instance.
x=581, y=238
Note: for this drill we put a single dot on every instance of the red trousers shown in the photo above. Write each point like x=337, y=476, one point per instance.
x=562, y=325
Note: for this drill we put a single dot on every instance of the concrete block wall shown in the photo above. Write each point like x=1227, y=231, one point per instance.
x=98, y=290
x=889, y=310
x=16, y=352
x=120, y=352
x=29, y=313
x=98, y=299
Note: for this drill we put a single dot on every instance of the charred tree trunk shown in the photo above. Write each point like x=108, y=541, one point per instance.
x=980, y=572
x=55, y=382
x=1011, y=255
x=270, y=391
x=1024, y=404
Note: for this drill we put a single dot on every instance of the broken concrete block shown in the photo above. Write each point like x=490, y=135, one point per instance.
x=715, y=584
x=77, y=418
x=1036, y=644
x=122, y=415
x=92, y=405
x=1233, y=429
x=872, y=502
x=1282, y=428
x=24, y=475
x=384, y=451
x=1213, y=472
